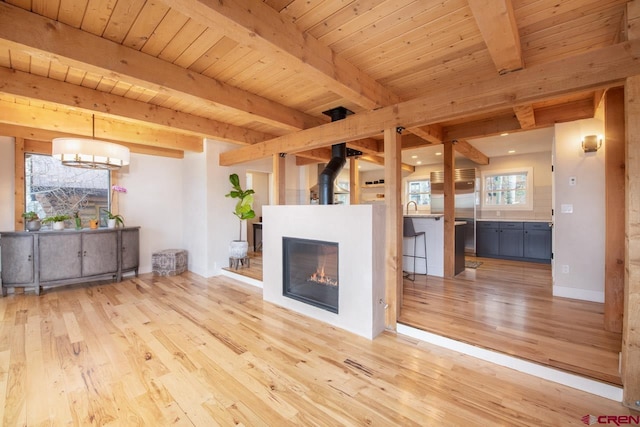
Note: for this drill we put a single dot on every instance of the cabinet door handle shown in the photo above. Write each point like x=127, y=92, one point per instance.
x=123, y=249
x=84, y=253
x=29, y=257
x=79, y=254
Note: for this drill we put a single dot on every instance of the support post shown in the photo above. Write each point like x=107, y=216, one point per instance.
x=393, y=226
x=279, y=182
x=449, y=210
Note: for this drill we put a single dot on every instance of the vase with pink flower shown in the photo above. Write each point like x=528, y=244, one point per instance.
x=113, y=219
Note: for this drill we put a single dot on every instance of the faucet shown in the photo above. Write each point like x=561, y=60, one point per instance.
x=415, y=205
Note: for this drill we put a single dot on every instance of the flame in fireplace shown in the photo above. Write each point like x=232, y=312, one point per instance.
x=321, y=278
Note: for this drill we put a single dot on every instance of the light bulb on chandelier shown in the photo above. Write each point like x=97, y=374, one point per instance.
x=90, y=153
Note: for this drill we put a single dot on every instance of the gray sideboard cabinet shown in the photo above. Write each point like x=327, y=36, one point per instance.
x=47, y=259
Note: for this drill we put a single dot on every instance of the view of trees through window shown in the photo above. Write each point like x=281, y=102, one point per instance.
x=506, y=190
x=420, y=192
x=52, y=189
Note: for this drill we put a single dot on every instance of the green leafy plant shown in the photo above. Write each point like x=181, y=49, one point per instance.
x=243, y=209
x=30, y=216
x=56, y=218
x=119, y=218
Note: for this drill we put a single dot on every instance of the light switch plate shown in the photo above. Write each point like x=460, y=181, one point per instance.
x=566, y=208
x=572, y=181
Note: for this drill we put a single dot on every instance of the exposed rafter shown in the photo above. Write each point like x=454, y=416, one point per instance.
x=46, y=38
x=597, y=68
x=497, y=24
x=26, y=85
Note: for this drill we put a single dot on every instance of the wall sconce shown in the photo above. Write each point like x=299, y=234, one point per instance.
x=591, y=143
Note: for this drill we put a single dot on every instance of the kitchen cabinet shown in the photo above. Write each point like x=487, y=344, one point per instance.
x=130, y=250
x=18, y=261
x=526, y=241
x=537, y=240
x=56, y=258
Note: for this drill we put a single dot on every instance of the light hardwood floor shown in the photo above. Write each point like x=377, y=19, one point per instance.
x=191, y=351
x=508, y=306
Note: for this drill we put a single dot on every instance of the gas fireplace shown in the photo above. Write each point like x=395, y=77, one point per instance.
x=310, y=270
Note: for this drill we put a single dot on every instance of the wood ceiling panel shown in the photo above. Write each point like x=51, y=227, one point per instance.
x=164, y=31
x=401, y=31
x=208, y=60
x=187, y=35
x=5, y=57
x=20, y=61
x=533, y=15
x=58, y=71
x=122, y=18
x=96, y=16
x=48, y=8
x=39, y=66
x=145, y=24
x=199, y=47
x=71, y=12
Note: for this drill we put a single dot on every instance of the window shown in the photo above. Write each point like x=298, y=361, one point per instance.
x=53, y=189
x=507, y=189
x=419, y=191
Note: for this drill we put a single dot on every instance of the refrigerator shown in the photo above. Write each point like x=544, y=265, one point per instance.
x=466, y=184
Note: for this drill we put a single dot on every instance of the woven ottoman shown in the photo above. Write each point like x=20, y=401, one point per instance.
x=169, y=262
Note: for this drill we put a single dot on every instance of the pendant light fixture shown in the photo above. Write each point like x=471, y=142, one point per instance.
x=90, y=153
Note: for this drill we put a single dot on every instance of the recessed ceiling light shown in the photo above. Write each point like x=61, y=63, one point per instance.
x=504, y=134
x=511, y=151
x=414, y=157
x=418, y=162
x=438, y=154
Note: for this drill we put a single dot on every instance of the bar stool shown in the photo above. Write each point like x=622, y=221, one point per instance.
x=410, y=232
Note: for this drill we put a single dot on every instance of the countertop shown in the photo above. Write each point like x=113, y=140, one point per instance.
x=511, y=220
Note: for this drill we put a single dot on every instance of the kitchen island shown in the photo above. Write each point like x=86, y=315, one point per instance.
x=433, y=227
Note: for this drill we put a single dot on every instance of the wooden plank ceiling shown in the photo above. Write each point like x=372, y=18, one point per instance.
x=161, y=75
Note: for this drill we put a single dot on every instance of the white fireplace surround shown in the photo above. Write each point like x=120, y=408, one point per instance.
x=359, y=232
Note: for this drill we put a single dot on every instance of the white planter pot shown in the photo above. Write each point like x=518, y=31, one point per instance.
x=238, y=248
x=58, y=225
x=111, y=223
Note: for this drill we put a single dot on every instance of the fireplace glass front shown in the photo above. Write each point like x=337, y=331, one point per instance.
x=310, y=270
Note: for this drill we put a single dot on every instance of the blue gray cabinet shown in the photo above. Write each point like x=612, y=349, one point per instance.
x=537, y=240
x=54, y=258
x=526, y=241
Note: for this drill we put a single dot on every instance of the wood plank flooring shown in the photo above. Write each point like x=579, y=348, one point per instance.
x=190, y=351
x=508, y=306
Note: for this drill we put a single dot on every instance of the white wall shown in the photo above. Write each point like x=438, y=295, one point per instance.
x=194, y=218
x=579, y=237
x=154, y=202
x=7, y=178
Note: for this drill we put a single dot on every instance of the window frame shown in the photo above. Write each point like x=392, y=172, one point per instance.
x=529, y=189
x=408, y=192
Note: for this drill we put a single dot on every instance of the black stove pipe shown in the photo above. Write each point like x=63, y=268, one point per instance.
x=337, y=162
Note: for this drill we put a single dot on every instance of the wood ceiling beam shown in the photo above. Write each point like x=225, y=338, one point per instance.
x=598, y=68
x=470, y=152
x=252, y=23
x=45, y=38
x=485, y=127
x=568, y=112
x=321, y=155
x=77, y=124
x=526, y=116
x=367, y=145
x=18, y=83
x=39, y=141
x=499, y=30
x=431, y=134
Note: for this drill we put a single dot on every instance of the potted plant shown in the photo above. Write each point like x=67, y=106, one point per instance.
x=114, y=220
x=243, y=210
x=93, y=223
x=57, y=221
x=32, y=221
